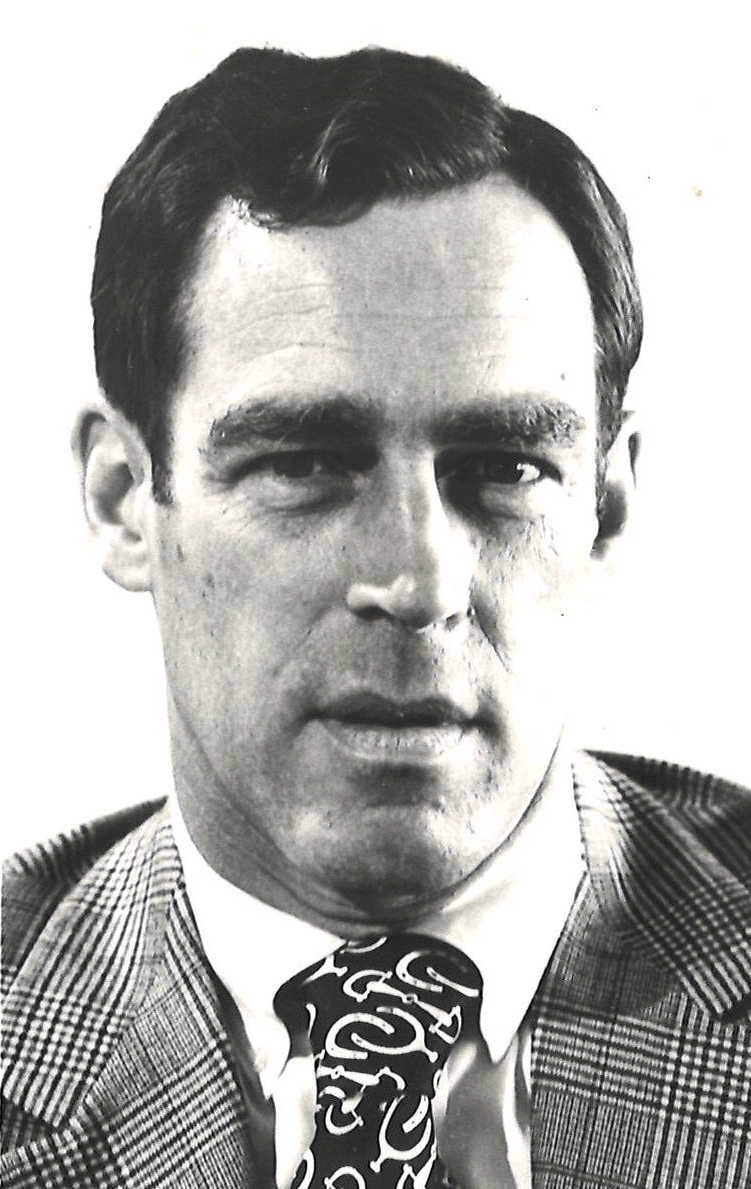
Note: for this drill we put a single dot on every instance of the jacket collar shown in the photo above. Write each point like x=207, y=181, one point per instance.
x=656, y=852
x=115, y=992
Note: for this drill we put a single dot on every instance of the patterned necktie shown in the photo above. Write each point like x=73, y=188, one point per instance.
x=383, y=1015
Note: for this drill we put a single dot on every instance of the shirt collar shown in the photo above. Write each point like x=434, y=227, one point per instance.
x=507, y=918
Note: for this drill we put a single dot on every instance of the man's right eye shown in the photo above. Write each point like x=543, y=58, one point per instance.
x=296, y=479
x=303, y=464
x=293, y=465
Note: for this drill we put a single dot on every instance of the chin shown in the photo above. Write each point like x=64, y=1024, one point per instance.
x=404, y=873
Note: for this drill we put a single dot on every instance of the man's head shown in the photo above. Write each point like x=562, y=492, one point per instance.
x=370, y=332
x=315, y=142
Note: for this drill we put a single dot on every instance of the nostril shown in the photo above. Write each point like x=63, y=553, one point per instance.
x=453, y=621
x=369, y=612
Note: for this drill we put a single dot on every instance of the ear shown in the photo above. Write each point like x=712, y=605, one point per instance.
x=617, y=490
x=115, y=472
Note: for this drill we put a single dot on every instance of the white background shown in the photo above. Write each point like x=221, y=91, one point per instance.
x=657, y=97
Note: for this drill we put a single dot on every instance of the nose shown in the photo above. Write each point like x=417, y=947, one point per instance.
x=416, y=561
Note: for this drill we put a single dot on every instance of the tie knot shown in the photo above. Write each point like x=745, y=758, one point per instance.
x=386, y=1012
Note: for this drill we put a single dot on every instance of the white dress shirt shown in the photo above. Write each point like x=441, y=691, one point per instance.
x=507, y=918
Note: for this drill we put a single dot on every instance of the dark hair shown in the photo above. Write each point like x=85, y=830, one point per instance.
x=319, y=141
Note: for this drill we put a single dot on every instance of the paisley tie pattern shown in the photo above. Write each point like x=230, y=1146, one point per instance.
x=383, y=1015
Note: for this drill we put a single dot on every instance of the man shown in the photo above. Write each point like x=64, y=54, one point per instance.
x=364, y=334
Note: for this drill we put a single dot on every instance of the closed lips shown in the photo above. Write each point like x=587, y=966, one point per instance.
x=375, y=710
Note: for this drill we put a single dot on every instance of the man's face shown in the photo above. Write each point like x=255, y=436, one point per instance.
x=383, y=471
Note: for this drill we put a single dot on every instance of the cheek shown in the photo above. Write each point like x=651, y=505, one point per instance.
x=222, y=594
x=531, y=589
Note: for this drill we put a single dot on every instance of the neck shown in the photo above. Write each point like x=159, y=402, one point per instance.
x=259, y=869
x=262, y=871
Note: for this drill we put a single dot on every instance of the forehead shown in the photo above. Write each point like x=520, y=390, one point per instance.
x=475, y=292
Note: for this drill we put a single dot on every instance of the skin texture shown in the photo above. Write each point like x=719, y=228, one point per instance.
x=382, y=532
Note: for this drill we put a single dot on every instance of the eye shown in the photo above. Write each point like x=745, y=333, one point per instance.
x=296, y=480
x=507, y=469
x=498, y=467
x=304, y=464
x=294, y=466
x=497, y=482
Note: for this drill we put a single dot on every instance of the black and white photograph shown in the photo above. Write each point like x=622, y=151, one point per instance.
x=377, y=554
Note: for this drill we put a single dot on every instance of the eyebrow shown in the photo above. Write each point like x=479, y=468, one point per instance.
x=281, y=419
x=527, y=420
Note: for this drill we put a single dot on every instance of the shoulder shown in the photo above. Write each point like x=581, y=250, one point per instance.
x=674, y=784
x=713, y=812
x=38, y=880
x=668, y=855
x=106, y=989
x=85, y=931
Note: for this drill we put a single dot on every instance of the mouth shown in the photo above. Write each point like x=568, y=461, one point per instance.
x=417, y=731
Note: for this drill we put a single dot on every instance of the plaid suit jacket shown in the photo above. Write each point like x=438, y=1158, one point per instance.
x=119, y=1070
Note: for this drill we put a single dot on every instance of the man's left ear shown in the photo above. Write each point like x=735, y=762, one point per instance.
x=617, y=489
x=115, y=469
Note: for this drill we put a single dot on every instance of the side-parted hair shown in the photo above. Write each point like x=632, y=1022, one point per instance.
x=317, y=141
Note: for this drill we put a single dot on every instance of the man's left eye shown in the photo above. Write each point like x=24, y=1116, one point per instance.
x=507, y=470
x=512, y=471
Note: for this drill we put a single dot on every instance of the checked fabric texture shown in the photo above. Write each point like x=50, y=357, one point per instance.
x=383, y=1016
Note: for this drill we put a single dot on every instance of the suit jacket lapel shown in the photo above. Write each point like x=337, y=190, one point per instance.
x=639, y=1000
x=121, y=1055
